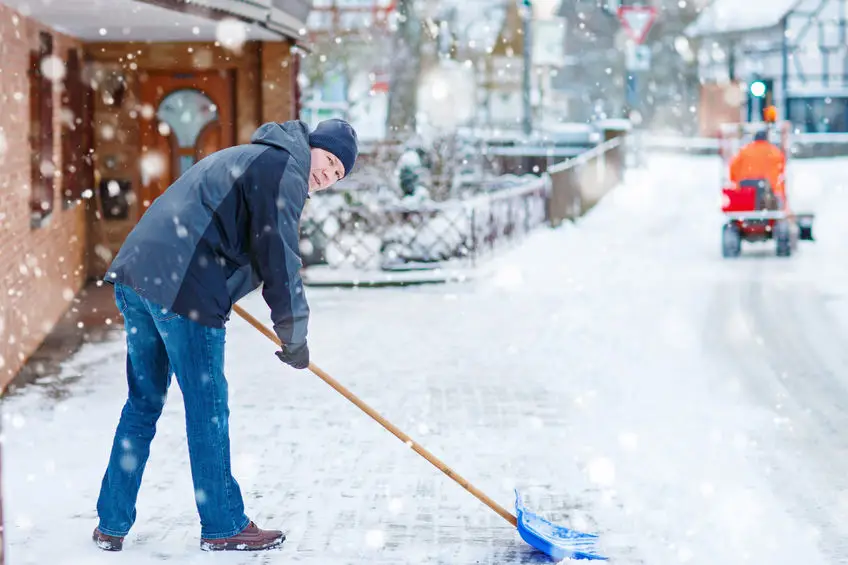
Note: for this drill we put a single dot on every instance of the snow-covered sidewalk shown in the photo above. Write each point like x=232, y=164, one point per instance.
x=580, y=372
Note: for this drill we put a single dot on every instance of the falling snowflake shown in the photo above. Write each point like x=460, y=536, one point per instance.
x=53, y=68
x=306, y=247
x=129, y=462
x=103, y=252
x=47, y=168
x=231, y=33
x=509, y=277
x=107, y=132
x=375, y=539
x=152, y=166
x=396, y=505
x=628, y=441
x=601, y=471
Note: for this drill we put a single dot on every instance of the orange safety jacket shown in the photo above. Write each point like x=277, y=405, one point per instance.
x=760, y=160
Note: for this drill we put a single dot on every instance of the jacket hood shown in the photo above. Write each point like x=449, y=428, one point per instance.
x=291, y=136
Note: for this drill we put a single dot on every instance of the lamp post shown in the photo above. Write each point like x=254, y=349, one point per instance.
x=527, y=10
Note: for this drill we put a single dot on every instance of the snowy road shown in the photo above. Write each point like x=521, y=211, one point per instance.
x=691, y=409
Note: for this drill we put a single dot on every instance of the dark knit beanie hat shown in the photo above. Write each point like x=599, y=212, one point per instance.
x=338, y=137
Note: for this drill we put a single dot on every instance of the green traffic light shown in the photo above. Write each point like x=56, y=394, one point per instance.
x=758, y=88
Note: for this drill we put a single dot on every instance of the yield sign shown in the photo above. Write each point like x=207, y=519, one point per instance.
x=637, y=20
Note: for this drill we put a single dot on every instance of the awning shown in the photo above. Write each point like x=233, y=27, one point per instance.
x=135, y=20
x=284, y=17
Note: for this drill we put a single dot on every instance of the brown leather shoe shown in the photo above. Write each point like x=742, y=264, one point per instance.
x=107, y=542
x=249, y=539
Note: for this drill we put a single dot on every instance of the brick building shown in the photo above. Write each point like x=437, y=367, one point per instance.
x=105, y=102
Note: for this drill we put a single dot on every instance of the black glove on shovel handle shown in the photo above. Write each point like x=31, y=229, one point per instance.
x=297, y=357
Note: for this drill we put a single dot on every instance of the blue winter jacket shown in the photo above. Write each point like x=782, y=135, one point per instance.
x=227, y=225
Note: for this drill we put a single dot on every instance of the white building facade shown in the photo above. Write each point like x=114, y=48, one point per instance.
x=789, y=53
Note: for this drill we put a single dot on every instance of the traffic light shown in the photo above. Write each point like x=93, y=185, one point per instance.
x=758, y=89
x=760, y=96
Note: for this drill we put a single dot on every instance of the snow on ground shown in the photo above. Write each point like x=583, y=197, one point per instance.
x=618, y=371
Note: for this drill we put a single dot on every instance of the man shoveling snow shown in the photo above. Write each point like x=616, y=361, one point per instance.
x=229, y=224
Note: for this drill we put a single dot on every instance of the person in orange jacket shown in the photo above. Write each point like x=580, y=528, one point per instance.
x=760, y=159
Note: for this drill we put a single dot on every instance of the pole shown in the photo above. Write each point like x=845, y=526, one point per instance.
x=784, y=67
x=527, y=8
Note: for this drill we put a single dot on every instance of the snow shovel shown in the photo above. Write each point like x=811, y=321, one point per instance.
x=556, y=541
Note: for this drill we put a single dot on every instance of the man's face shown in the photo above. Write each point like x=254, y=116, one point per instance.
x=325, y=171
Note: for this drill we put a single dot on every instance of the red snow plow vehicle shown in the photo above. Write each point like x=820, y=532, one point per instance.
x=754, y=202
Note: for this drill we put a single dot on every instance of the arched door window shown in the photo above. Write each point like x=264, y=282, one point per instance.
x=185, y=113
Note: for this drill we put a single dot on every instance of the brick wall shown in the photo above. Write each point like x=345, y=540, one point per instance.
x=278, y=82
x=41, y=269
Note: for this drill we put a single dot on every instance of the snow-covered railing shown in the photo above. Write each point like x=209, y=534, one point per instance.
x=362, y=232
x=579, y=183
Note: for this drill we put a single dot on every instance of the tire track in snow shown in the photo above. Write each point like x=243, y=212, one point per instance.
x=785, y=349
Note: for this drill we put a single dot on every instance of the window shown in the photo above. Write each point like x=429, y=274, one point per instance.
x=77, y=134
x=820, y=114
x=184, y=114
x=41, y=134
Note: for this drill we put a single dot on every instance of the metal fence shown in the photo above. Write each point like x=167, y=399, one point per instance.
x=366, y=231
x=580, y=183
x=343, y=230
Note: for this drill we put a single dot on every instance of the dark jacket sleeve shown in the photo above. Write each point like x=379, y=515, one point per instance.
x=275, y=210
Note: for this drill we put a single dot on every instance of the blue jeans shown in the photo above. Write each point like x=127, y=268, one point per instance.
x=159, y=343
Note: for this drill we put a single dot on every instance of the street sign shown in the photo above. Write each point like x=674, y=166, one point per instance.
x=637, y=21
x=638, y=57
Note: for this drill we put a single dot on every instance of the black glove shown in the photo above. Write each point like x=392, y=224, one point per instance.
x=296, y=356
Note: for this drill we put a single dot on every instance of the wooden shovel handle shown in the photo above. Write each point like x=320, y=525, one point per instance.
x=320, y=373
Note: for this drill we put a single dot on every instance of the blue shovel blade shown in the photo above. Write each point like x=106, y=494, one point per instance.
x=558, y=542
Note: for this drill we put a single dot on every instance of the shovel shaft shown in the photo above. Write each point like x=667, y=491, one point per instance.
x=320, y=373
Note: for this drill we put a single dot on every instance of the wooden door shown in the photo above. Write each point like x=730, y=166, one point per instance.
x=192, y=116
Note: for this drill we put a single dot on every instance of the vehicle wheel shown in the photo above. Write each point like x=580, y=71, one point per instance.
x=783, y=237
x=806, y=233
x=731, y=241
